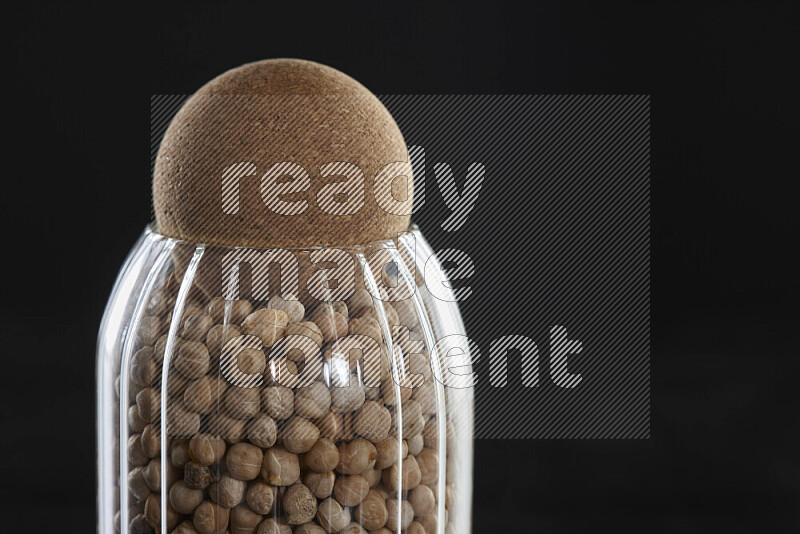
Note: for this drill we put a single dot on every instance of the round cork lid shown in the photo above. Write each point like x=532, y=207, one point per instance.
x=283, y=153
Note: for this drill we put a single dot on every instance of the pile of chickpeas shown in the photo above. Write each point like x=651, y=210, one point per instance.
x=272, y=459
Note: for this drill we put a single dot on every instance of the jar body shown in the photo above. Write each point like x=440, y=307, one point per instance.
x=282, y=391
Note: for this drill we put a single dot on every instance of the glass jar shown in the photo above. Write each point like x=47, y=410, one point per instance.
x=250, y=405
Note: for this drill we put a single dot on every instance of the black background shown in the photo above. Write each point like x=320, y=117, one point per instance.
x=722, y=456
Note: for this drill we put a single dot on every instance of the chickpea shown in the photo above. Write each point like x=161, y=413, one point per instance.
x=183, y=498
x=350, y=490
x=348, y=398
x=197, y=396
x=429, y=522
x=262, y=431
x=299, y=435
x=356, y=457
x=196, y=327
x=210, y=518
x=353, y=528
x=193, y=360
x=406, y=514
x=206, y=449
x=239, y=309
x=415, y=528
x=423, y=500
x=227, y=491
x=218, y=336
x=196, y=476
x=278, y=402
x=293, y=308
x=331, y=516
x=185, y=528
x=307, y=329
x=406, y=312
x=152, y=474
x=135, y=422
x=330, y=425
x=137, y=485
x=323, y=456
x=136, y=456
x=280, y=467
x=151, y=440
x=411, y=475
x=179, y=453
x=260, y=497
x=226, y=427
x=309, y=528
x=312, y=401
x=372, y=422
x=360, y=301
x=320, y=484
x=144, y=370
x=373, y=476
x=182, y=423
x=372, y=512
x=266, y=324
x=332, y=324
x=389, y=451
x=271, y=526
x=148, y=401
x=138, y=525
x=243, y=461
x=244, y=520
x=242, y=403
x=299, y=504
x=415, y=444
x=428, y=461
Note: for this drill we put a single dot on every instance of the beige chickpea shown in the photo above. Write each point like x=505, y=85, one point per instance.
x=423, y=500
x=294, y=309
x=196, y=327
x=250, y=361
x=309, y=528
x=415, y=528
x=277, y=402
x=238, y=310
x=210, y=518
x=227, y=491
x=323, y=456
x=176, y=385
x=356, y=457
x=151, y=473
x=183, y=498
x=266, y=324
x=331, y=516
x=411, y=475
x=197, y=395
x=389, y=313
x=312, y=401
x=299, y=435
x=179, y=453
x=144, y=369
x=389, y=451
x=332, y=324
x=226, y=427
x=353, y=528
x=389, y=393
x=425, y=395
x=280, y=467
x=150, y=327
x=348, y=398
x=350, y=490
x=320, y=484
x=366, y=326
x=193, y=360
x=413, y=420
x=372, y=512
x=135, y=422
x=151, y=440
x=428, y=461
x=260, y=497
x=406, y=312
x=330, y=425
x=136, y=455
x=152, y=512
x=272, y=526
x=244, y=520
x=373, y=476
x=262, y=431
x=218, y=336
x=299, y=504
x=360, y=301
x=429, y=522
x=206, y=449
x=138, y=524
x=181, y=422
x=196, y=476
x=185, y=528
x=243, y=461
x=372, y=422
x=307, y=329
x=406, y=514
x=137, y=485
x=242, y=403
x=148, y=401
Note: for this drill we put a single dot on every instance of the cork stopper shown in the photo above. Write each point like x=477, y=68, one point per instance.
x=283, y=153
